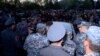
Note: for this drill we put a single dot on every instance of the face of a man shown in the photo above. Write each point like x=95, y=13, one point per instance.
x=82, y=28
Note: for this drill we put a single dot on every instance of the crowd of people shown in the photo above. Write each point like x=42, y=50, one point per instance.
x=35, y=33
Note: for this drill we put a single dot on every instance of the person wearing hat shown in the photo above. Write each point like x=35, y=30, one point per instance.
x=55, y=35
x=68, y=45
x=83, y=26
x=92, y=41
x=22, y=29
x=34, y=42
x=9, y=38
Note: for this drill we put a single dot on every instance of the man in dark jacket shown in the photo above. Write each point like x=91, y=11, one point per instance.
x=9, y=38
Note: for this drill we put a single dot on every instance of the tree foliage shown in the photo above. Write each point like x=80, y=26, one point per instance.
x=98, y=5
x=29, y=5
x=73, y=4
x=88, y=4
x=67, y=4
x=50, y=5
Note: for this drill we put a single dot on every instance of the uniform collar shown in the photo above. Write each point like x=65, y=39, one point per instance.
x=57, y=47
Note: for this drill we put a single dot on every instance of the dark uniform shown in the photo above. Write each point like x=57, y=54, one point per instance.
x=8, y=42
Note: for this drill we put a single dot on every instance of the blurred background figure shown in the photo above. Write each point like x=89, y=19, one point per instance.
x=9, y=39
x=22, y=29
x=33, y=22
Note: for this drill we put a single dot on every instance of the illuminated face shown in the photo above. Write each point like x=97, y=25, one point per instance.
x=82, y=28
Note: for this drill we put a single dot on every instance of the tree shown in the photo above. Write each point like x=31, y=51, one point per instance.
x=1, y=0
x=17, y=3
x=73, y=4
x=88, y=4
x=30, y=5
x=49, y=5
x=98, y=5
x=1, y=3
x=5, y=1
x=69, y=4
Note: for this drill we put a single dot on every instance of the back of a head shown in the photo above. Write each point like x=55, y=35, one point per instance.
x=41, y=27
x=56, y=32
x=10, y=22
x=49, y=23
x=93, y=34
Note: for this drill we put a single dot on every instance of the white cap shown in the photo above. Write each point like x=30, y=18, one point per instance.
x=56, y=32
x=93, y=34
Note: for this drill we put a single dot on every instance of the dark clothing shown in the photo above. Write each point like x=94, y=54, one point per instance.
x=53, y=51
x=8, y=42
x=22, y=30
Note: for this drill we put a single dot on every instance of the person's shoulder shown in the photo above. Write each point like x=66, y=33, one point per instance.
x=48, y=50
x=45, y=49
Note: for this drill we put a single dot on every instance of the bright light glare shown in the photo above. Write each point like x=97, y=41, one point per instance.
x=22, y=0
x=95, y=0
x=59, y=0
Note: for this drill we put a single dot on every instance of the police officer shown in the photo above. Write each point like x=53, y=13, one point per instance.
x=55, y=35
x=92, y=41
x=82, y=26
x=34, y=42
x=69, y=45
